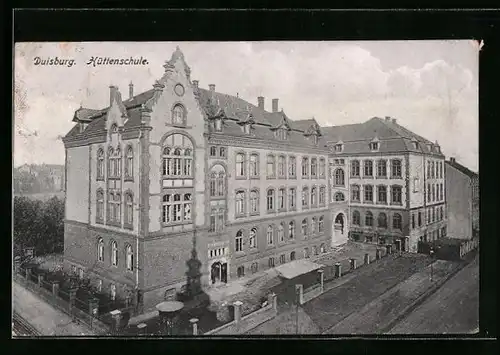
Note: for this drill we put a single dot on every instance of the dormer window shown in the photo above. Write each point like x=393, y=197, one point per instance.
x=83, y=126
x=314, y=138
x=282, y=134
x=374, y=145
x=218, y=124
x=415, y=145
x=339, y=147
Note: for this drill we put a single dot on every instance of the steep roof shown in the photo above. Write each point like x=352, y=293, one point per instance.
x=464, y=170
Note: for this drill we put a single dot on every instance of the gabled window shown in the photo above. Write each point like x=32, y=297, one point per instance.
x=339, y=147
x=374, y=146
x=282, y=133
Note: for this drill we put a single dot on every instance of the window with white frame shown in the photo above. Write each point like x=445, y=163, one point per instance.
x=314, y=167
x=179, y=115
x=314, y=196
x=368, y=193
x=252, y=238
x=368, y=168
x=240, y=164
x=292, y=167
x=217, y=181
x=304, y=227
x=314, y=223
x=305, y=196
x=321, y=224
x=305, y=167
x=271, y=166
x=396, y=170
x=281, y=199
x=254, y=165
x=100, y=164
x=100, y=250
x=270, y=235
x=177, y=157
x=176, y=208
x=129, y=163
x=322, y=167
x=381, y=168
x=396, y=194
x=114, y=253
x=270, y=200
x=355, y=168
x=240, y=202
x=130, y=258
x=281, y=232
x=281, y=166
x=292, y=198
x=339, y=177
x=254, y=201
x=239, y=241
x=114, y=207
x=291, y=230
x=99, y=206
x=129, y=208
x=355, y=193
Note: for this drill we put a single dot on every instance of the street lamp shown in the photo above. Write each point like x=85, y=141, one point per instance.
x=432, y=270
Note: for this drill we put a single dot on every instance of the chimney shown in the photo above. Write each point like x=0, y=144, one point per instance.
x=130, y=90
x=387, y=118
x=452, y=159
x=275, y=105
x=211, y=87
x=196, y=83
x=260, y=101
x=394, y=120
x=113, y=90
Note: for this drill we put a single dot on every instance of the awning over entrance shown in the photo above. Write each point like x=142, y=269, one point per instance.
x=296, y=268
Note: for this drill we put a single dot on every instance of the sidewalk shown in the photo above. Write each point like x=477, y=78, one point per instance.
x=43, y=317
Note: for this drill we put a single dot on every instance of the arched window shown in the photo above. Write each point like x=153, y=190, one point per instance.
x=292, y=167
x=292, y=256
x=129, y=166
x=271, y=262
x=305, y=196
x=178, y=115
x=130, y=258
x=314, y=197
x=356, y=218
x=239, y=241
x=241, y=271
x=240, y=164
x=253, y=238
x=100, y=164
x=254, y=201
x=254, y=165
x=397, y=194
x=369, y=219
x=304, y=227
x=382, y=168
x=321, y=224
x=217, y=181
x=281, y=232
x=281, y=199
x=255, y=267
x=270, y=200
x=111, y=162
x=129, y=212
x=322, y=167
x=382, y=220
x=355, y=168
x=213, y=184
x=270, y=235
x=114, y=253
x=291, y=230
x=222, y=152
x=314, y=167
x=100, y=249
x=271, y=166
x=322, y=248
x=240, y=202
x=281, y=166
x=396, y=221
x=177, y=157
x=99, y=205
x=322, y=196
x=339, y=177
x=314, y=223
x=118, y=163
x=114, y=128
x=339, y=196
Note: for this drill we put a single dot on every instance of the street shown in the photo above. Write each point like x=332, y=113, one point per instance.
x=453, y=308
x=33, y=315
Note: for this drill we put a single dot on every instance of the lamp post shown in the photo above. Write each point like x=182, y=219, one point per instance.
x=432, y=270
x=297, y=298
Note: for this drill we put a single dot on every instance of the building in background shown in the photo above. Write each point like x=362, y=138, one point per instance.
x=462, y=194
x=180, y=173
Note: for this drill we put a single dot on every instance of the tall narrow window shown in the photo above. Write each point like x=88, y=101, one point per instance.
x=222, y=152
x=213, y=220
x=355, y=168
x=281, y=233
x=291, y=230
x=240, y=202
x=167, y=209
x=254, y=165
x=429, y=192
x=382, y=168
x=368, y=194
x=397, y=221
x=382, y=194
x=432, y=171
x=178, y=115
x=322, y=167
x=271, y=166
x=118, y=211
x=339, y=177
x=100, y=164
x=396, y=169
x=396, y=195
x=254, y=201
x=305, y=196
x=304, y=227
x=129, y=166
x=281, y=199
x=114, y=253
x=270, y=200
x=292, y=198
x=118, y=163
x=305, y=167
x=321, y=224
x=270, y=236
x=412, y=221
x=130, y=258
x=433, y=192
x=240, y=164
x=356, y=218
x=369, y=219
x=368, y=168
x=314, y=196
x=129, y=212
x=239, y=241
x=314, y=167
x=382, y=220
x=100, y=206
x=100, y=249
x=428, y=169
x=213, y=151
x=220, y=220
x=292, y=167
x=177, y=165
x=281, y=166
x=322, y=196
x=355, y=193
x=111, y=162
x=292, y=256
x=314, y=225
x=252, y=238
x=441, y=194
x=188, y=162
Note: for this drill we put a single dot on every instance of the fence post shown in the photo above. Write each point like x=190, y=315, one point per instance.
x=389, y=249
x=321, y=279
x=28, y=273
x=352, y=261
x=93, y=309
x=237, y=312
x=17, y=265
x=55, y=288
x=300, y=289
x=398, y=245
x=274, y=300
x=367, y=258
x=40, y=280
x=377, y=254
x=72, y=297
x=194, y=323
x=116, y=314
x=338, y=270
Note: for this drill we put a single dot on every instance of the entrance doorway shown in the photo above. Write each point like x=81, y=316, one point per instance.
x=218, y=272
x=339, y=235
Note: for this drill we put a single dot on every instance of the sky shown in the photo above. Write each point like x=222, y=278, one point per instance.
x=430, y=87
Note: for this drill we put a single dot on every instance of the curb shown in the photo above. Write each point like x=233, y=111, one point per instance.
x=403, y=314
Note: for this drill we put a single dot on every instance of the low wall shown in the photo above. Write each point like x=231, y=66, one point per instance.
x=468, y=246
x=312, y=292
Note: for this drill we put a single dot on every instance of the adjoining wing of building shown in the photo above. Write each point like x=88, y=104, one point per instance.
x=180, y=168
